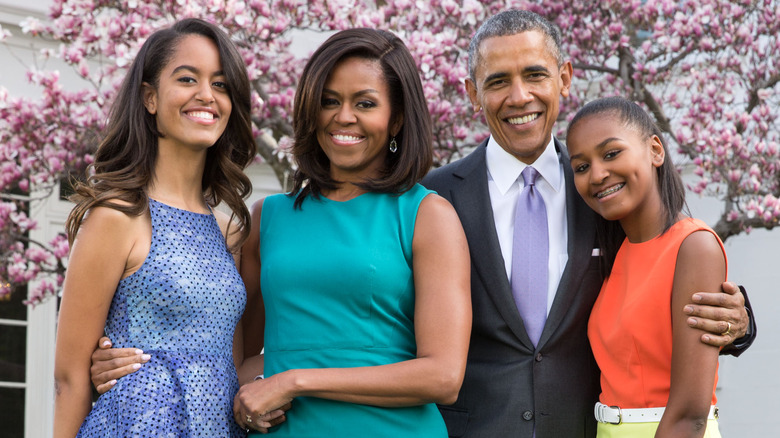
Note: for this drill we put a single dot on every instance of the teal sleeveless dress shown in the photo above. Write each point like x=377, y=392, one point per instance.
x=339, y=292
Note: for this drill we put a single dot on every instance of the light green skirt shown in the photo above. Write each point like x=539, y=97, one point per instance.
x=644, y=430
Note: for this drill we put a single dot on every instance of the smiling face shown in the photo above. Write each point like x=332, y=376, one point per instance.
x=518, y=84
x=615, y=169
x=191, y=101
x=354, y=122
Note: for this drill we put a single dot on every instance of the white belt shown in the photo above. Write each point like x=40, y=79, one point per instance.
x=616, y=415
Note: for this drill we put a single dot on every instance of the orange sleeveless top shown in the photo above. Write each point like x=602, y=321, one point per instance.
x=630, y=328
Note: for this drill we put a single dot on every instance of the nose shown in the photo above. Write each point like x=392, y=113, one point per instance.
x=598, y=173
x=205, y=93
x=345, y=115
x=519, y=94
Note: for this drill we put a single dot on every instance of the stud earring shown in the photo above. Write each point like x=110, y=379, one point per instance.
x=393, y=145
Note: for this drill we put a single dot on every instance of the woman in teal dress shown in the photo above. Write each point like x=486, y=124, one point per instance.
x=364, y=273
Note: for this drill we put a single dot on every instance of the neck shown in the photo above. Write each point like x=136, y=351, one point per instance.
x=177, y=179
x=344, y=192
x=646, y=222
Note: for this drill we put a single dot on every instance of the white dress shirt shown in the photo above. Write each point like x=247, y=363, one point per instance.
x=505, y=184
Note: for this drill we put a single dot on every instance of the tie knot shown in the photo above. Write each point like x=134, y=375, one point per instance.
x=529, y=176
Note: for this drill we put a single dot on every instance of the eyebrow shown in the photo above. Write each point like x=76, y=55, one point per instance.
x=526, y=70
x=358, y=93
x=194, y=70
x=598, y=146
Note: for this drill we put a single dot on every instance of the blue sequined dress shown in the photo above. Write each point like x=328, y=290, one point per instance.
x=181, y=307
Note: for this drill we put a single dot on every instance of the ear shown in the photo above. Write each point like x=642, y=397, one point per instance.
x=471, y=89
x=566, y=72
x=149, y=97
x=657, y=151
x=396, y=124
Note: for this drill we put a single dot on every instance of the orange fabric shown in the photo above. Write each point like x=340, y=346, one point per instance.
x=630, y=328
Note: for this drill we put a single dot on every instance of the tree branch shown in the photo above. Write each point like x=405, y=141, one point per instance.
x=598, y=68
x=726, y=228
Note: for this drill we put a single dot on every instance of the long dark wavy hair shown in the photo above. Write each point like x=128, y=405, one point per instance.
x=415, y=153
x=125, y=159
x=670, y=186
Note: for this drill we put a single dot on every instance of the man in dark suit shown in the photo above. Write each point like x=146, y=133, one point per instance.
x=546, y=384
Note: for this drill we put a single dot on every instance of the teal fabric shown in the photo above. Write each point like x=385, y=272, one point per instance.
x=339, y=292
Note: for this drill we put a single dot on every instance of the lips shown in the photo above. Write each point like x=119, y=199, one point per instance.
x=604, y=193
x=522, y=120
x=346, y=139
x=204, y=115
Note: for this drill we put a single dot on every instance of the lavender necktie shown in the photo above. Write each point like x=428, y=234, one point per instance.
x=530, y=250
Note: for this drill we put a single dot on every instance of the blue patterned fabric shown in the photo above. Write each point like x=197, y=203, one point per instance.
x=181, y=307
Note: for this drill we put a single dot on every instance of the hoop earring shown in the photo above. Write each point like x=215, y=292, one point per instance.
x=393, y=145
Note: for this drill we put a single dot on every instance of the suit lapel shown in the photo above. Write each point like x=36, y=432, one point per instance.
x=581, y=226
x=471, y=199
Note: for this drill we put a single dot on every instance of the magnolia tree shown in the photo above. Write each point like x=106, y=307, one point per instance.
x=707, y=69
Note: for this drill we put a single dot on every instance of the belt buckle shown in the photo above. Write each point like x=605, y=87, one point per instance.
x=603, y=408
x=620, y=415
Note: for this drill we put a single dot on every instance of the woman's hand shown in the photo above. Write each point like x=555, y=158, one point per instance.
x=110, y=364
x=262, y=404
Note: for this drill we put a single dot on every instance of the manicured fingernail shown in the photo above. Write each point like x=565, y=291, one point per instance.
x=112, y=383
x=136, y=366
x=106, y=343
x=137, y=351
x=146, y=357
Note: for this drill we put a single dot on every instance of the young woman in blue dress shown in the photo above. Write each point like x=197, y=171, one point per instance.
x=151, y=262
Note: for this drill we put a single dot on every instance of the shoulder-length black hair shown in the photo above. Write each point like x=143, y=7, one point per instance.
x=125, y=159
x=415, y=154
x=670, y=185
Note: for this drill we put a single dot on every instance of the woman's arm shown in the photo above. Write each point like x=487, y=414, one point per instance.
x=252, y=326
x=442, y=324
x=231, y=233
x=100, y=257
x=701, y=266
x=253, y=321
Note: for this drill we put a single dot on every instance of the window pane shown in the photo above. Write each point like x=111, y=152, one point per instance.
x=12, y=412
x=13, y=341
x=11, y=306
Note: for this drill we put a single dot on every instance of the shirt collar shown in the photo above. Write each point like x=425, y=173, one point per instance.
x=505, y=169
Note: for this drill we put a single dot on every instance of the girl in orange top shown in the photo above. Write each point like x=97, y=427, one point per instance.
x=657, y=377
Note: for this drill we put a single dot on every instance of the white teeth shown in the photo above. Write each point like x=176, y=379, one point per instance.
x=202, y=115
x=610, y=191
x=523, y=120
x=345, y=138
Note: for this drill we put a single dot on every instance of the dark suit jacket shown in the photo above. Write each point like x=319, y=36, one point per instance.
x=510, y=386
